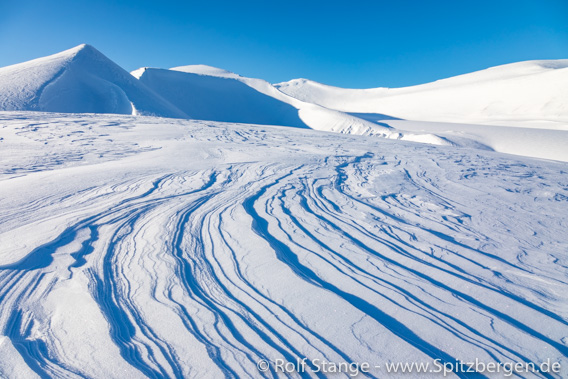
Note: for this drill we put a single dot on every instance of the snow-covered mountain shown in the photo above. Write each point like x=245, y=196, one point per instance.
x=210, y=93
x=83, y=80
x=78, y=80
x=532, y=93
x=528, y=97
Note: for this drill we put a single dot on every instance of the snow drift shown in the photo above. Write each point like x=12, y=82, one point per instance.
x=78, y=80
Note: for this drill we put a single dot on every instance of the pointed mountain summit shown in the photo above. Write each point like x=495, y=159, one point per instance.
x=78, y=80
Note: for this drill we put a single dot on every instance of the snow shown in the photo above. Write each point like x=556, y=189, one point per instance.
x=137, y=246
x=254, y=221
x=209, y=93
x=531, y=93
x=529, y=142
x=201, y=69
x=528, y=97
x=218, y=98
x=78, y=80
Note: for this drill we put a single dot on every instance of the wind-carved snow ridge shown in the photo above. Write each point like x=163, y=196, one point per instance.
x=199, y=248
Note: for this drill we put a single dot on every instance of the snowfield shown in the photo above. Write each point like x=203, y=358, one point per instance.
x=139, y=247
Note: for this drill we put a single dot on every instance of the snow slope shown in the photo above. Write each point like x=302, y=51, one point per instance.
x=532, y=93
x=528, y=142
x=78, y=80
x=144, y=247
x=214, y=94
x=216, y=98
x=211, y=93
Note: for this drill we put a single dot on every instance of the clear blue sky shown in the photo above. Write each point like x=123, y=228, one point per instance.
x=354, y=44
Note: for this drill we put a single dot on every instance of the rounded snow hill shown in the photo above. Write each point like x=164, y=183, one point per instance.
x=211, y=93
x=78, y=80
x=531, y=93
x=217, y=95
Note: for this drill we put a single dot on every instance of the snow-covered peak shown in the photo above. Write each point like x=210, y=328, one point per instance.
x=78, y=80
x=83, y=51
x=83, y=48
